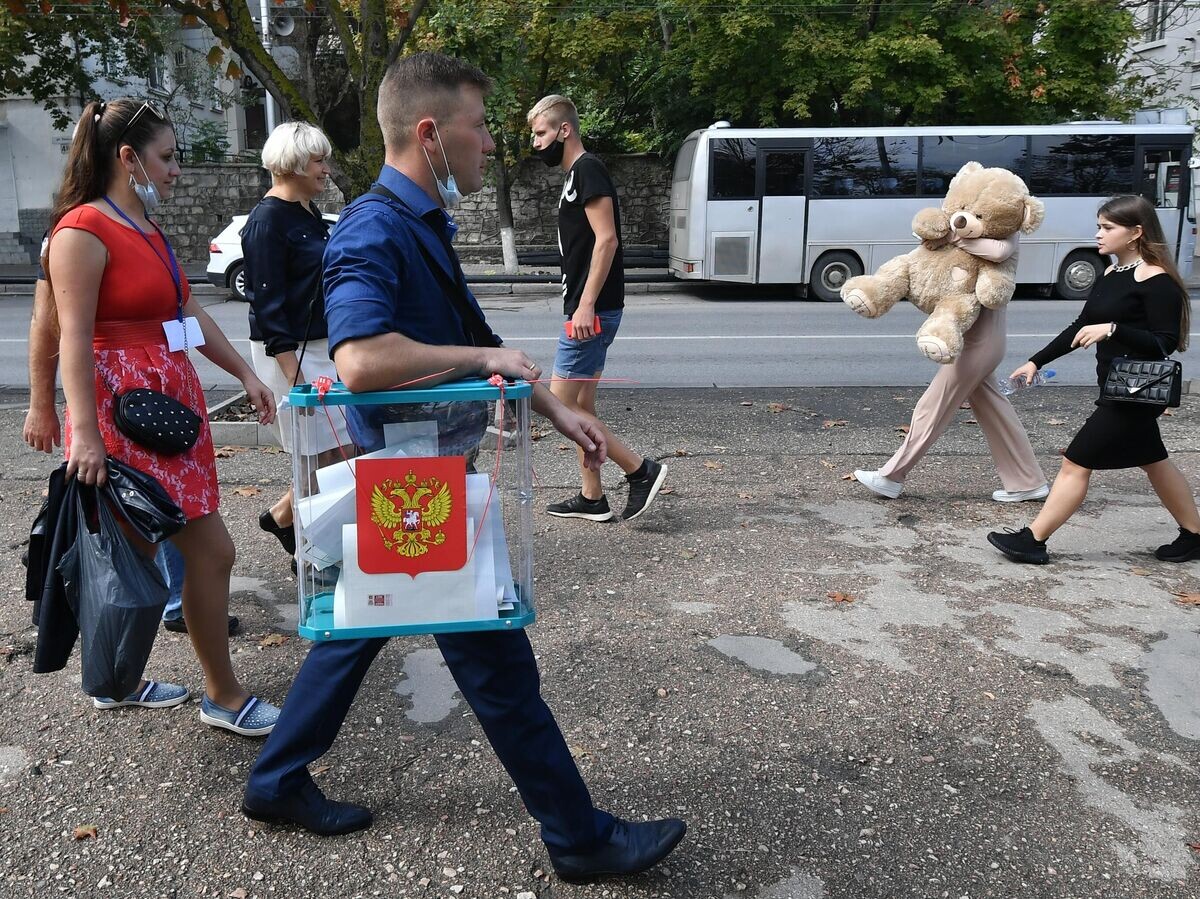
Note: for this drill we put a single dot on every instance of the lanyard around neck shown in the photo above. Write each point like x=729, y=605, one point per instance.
x=172, y=266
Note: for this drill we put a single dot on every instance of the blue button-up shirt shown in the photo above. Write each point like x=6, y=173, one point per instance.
x=379, y=280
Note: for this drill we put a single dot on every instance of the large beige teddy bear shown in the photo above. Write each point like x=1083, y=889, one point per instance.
x=943, y=279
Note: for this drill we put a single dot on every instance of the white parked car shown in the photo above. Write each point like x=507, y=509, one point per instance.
x=225, y=267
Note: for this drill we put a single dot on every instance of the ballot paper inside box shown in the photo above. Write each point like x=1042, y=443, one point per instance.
x=423, y=524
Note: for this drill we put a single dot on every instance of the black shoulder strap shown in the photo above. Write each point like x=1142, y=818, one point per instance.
x=476, y=328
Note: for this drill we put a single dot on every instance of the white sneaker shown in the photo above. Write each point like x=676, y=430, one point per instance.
x=1020, y=496
x=877, y=483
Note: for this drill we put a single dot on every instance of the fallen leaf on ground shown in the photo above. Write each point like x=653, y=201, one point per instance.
x=246, y=491
x=833, y=423
x=746, y=403
x=1187, y=599
x=1140, y=572
x=681, y=453
x=666, y=490
x=711, y=466
x=903, y=429
x=273, y=640
x=849, y=477
x=740, y=495
x=1055, y=421
x=564, y=446
x=827, y=463
x=989, y=695
x=778, y=407
x=273, y=450
x=321, y=769
x=535, y=434
x=686, y=553
x=84, y=832
x=225, y=452
x=839, y=596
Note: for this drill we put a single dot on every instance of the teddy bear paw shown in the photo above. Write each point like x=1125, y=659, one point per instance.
x=936, y=349
x=857, y=300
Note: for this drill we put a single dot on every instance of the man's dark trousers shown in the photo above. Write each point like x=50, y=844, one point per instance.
x=496, y=674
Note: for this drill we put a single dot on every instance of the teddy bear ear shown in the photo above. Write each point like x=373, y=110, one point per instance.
x=967, y=169
x=1035, y=214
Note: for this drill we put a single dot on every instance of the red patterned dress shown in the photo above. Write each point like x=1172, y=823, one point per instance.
x=137, y=294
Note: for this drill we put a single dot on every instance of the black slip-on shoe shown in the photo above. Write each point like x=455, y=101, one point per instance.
x=309, y=808
x=285, y=535
x=179, y=626
x=1020, y=546
x=1183, y=548
x=633, y=847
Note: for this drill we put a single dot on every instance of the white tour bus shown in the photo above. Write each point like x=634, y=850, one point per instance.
x=812, y=207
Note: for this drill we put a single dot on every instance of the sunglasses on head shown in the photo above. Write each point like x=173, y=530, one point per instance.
x=145, y=107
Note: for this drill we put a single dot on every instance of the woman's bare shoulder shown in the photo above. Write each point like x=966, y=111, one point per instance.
x=1146, y=271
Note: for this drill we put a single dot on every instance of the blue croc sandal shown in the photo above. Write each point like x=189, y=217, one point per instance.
x=154, y=695
x=254, y=719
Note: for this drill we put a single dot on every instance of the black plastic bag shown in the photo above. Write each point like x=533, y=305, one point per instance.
x=117, y=595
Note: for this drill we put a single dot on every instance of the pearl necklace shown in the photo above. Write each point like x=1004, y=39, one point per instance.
x=1125, y=268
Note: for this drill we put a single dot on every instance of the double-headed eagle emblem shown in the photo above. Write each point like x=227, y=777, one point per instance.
x=410, y=515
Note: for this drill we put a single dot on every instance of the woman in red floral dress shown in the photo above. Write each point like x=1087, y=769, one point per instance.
x=118, y=288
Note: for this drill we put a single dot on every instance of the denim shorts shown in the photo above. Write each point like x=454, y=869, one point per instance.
x=583, y=358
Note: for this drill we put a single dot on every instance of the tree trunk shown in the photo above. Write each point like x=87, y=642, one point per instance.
x=508, y=235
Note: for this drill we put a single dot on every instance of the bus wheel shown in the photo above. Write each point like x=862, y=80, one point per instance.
x=830, y=273
x=1079, y=273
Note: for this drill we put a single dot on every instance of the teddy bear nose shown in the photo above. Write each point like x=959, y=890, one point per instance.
x=958, y=222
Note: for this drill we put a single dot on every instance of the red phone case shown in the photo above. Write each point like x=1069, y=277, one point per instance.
x=569, y=327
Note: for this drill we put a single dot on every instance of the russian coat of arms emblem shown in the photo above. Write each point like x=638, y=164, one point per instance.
x=411, y=514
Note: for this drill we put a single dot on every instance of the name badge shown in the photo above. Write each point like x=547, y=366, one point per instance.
x=175, y=331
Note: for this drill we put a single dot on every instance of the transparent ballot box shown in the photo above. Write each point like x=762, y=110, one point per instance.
x=413, y=509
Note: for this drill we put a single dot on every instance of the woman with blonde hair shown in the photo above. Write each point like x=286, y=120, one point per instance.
x=1139, y=309
x=127, y=321
x=283, y=243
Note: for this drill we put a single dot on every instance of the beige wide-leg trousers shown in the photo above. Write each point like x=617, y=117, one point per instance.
x=970, y=378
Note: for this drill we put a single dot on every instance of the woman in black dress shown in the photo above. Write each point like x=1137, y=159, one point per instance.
x=1139, y=309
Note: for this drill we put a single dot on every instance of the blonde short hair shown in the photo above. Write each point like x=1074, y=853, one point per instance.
x=292, y=146
x=557, y=109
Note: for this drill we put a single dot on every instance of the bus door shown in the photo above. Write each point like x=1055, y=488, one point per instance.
x=731, y=227
x=782, y=222
x=1163, y=179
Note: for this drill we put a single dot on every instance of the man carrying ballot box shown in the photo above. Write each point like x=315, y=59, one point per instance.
x=399, y=310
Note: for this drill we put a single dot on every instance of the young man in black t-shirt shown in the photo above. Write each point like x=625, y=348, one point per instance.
x=593, y=279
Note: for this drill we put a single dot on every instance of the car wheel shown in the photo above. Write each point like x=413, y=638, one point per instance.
x=831, y=273
x=237, y=281
x=1079, y=273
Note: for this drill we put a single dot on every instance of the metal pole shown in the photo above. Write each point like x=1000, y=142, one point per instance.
x=268, y=100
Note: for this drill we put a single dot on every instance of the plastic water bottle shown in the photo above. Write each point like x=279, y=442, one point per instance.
x=1009, y=386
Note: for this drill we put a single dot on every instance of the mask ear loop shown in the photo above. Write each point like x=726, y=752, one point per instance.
x=438, y=135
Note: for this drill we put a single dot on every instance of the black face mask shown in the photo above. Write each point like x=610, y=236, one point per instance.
x=552, y=153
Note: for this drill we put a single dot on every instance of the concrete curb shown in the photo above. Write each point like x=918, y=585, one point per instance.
x=239, y=433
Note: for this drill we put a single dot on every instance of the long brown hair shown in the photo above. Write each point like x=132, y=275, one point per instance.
x=1133, y=212
x=102, y=130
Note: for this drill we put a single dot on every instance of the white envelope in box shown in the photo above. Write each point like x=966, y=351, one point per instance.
x=382, y=600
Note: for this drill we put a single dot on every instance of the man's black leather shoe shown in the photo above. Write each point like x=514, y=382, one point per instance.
x=309, y=809
x=634, y=846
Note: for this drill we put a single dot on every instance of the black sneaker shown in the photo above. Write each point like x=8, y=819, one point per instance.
x=1020, y=546
x=285, y=535
x=1183, y=548
x=642, y=490
x=179, y=626
x=579, y=506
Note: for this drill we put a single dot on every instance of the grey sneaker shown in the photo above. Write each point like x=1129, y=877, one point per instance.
x=579, y=506
x=643, y=490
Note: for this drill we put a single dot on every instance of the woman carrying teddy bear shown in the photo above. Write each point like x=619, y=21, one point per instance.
x=969, y=378
x=1139, y=309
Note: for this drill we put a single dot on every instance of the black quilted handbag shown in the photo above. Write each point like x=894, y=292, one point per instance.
x=156, y=421
x=1149, y=382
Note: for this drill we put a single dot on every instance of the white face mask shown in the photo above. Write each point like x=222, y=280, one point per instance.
x=147, y=193
x=449, y=191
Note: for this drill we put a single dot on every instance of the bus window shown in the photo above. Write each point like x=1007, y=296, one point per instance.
x=865, y=167
x=942, y=157
x=785, y=173
x=1161, y=171
x=734, y=167
x=1081, y=165
x=683, y=162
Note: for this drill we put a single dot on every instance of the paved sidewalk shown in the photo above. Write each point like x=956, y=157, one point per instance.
x=958, y=726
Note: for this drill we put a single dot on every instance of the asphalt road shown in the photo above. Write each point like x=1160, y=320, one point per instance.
x=717, y=336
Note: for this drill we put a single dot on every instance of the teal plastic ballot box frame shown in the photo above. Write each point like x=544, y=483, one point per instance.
x=326, y=515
